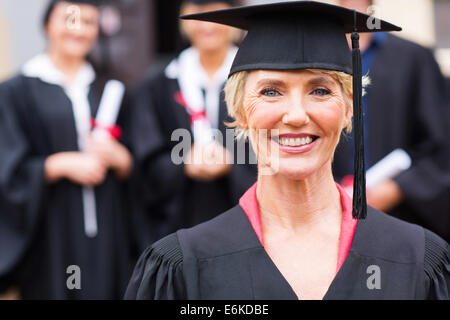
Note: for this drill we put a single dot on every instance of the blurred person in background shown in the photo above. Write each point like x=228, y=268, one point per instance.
x=64, y=218
x=188, y=94
x=405, y=109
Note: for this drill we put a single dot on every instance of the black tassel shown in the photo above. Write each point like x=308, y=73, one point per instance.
x=359, y=182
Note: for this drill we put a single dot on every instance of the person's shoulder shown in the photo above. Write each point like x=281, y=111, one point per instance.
x=160, y=262
x=166, y=249
x=386, y=237
x=15, y=82
x=406, y=48
x=218, y=236
x=15, y=91
x=436, y=256
x=228, y=233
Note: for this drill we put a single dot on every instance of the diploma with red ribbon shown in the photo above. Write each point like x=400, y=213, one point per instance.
x=387, y=168
x=200, y=125
x=104, y=124
x=103, y=127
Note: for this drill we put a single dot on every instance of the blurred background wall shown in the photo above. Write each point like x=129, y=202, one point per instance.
x=139, y=34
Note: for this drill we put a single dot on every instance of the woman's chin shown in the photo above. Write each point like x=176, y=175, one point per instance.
x=292, y=171
x=75, y=51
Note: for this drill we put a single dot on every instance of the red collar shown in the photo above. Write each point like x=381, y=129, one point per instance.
x=249, y=204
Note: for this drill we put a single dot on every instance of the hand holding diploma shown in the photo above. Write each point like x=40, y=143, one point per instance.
x=383, y=193
x=207, y=162
x=103, y=141
x=82, y=168
x=113, y=154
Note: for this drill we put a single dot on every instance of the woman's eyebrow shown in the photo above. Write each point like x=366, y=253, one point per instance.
x=272, y=82
x=321, y=80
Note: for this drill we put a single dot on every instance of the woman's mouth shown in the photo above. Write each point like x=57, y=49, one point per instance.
x=295, y=143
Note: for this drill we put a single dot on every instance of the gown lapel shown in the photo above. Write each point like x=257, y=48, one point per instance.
x=266, y=280
x=268, y=283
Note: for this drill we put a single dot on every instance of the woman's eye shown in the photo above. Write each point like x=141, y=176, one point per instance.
x=321, y=92
x=270, y=92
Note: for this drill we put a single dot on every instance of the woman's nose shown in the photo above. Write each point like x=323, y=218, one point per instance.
x=296, y=115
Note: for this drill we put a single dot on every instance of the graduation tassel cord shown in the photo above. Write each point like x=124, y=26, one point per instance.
x=359, y=182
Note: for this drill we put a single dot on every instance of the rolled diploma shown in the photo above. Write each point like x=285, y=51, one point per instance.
x=109, y=108
x=107, y=114
x=387, y=168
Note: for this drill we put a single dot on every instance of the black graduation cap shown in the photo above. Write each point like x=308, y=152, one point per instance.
x=305, y=35
x=52, y=3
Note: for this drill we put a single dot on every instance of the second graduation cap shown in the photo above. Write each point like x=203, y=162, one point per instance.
x=305, y=35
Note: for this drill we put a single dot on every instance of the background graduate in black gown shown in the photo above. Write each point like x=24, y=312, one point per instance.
x=296, y=234
x=188, y=92
x=48, y=163
x=405, y=107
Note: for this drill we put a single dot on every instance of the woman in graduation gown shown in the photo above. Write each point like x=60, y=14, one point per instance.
x=296, y=234
x=63, y=206
x=187, y=95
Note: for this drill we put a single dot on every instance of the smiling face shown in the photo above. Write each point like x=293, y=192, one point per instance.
x=72, y=30
x=206, y=36
x=303, y=113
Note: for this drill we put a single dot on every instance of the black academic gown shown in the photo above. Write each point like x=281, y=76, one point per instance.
x=407, y=110
x=223, y=259
x=41, y=226
x=171, y=198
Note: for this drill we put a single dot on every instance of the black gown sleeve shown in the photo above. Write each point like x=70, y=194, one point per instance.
x=437, y=267
x=158, y=274
x=22, y=181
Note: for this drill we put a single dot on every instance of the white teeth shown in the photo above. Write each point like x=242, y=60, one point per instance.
x=292, y=142
x=295, y=142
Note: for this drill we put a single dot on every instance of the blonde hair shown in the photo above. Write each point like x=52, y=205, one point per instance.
x=235, y=90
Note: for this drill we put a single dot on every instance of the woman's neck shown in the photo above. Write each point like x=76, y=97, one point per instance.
x=299, y=204
x=212, y=60
x=67, y=64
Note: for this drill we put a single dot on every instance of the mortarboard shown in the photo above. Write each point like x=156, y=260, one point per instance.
x=305, y=35
x=52, y=3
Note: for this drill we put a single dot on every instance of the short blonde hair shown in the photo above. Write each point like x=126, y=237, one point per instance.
x=235, y=90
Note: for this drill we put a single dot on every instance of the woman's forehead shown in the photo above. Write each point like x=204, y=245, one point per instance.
x=287, y=75
x=85, y=9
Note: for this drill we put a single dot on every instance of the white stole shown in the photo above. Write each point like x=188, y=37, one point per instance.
x=192, y=79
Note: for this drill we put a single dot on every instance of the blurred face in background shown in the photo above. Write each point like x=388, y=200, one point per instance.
x=206, y=36
x=358, y=5
x=72, y=29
